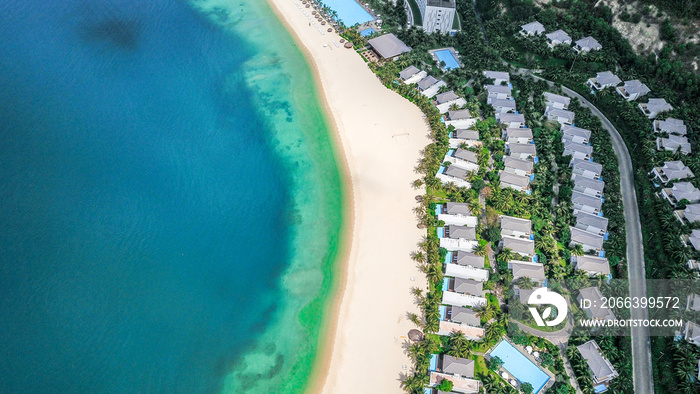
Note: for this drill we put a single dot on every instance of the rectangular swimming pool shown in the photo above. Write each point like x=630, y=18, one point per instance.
x=444, y=55
x=349, y=11
x=520, y=366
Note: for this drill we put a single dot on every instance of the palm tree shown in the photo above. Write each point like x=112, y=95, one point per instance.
x=418, y=257
x=480, y=249
x=505, y=255
x=486, y=312
x=577, y=250
x=525, y=283
x=459, y=345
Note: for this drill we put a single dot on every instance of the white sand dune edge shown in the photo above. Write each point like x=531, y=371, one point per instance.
x=381, y=135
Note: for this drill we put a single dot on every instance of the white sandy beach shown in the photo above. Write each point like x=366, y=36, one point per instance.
x=381, y=135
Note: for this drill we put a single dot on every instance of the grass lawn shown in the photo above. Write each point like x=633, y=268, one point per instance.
x=480, y=368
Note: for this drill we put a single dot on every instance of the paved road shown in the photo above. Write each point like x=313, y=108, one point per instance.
x=643, y=376
x=641, y=345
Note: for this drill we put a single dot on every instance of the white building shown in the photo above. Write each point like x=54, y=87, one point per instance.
x=438, y=15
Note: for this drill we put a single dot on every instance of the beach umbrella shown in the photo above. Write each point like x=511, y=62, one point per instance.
x=536, y=354
x=419, y=198
x=330, y=30
x=504, y=375
x=342, y=40
x=528, y=348
x=323, y=23
x=415, y=335
x=348, y=45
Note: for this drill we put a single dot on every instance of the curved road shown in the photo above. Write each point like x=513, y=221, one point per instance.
x=641, y=345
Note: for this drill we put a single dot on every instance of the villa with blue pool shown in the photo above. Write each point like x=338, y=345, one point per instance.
x=520, y=368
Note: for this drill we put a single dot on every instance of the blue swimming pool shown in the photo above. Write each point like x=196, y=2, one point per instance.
x=445, y=55
x=520, y=366
x=349, y=11
x=367, y=32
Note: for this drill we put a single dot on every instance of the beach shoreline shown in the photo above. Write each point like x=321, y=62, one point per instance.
x=340, y=366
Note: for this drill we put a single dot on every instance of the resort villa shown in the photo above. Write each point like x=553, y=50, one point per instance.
x=453, y=174
x=522, y=246
x=595, y=309
x=591, y=223
x=388, y=46
x=521, y=151
x=674, y=143
x=532, y=29
x=457, y=238
x=632, y=90
x=462, y=158
x=577, y=151
x=464, y=136
x=518, y=166
x=586, y=203
x=575, y=134
x=517, y=135
x=592, y=265
x=587, y=169
x=514, y=181
x=586, y=45
x=681, y=191
x=670, y=126
x=498, y=77
x=498, y=92
x=672, y=171
x=455, y=213
x=589, y=241
x=412, y=74
x=448, y=100
x=564, y=117
x=654, y=107
x=511, y=120
x=556, y=101
x=557, y=38
x=589, y=187
x=691, y=333
x=692, y=239
x=527, y=269
x=691, y=214
x=602, y=371
x=603, y=80
x=516, y=227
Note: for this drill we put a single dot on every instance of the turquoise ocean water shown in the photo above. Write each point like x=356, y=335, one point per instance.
x=170, y=204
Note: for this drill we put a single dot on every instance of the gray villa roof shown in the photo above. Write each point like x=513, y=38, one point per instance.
x=465, y=316
x=579, y=198
x=635, y=86
x=446, y=97
x=673, y=143
x=466, y=134
x=469, y=286
x=588, y=219
x=675, y=170
x=558, y=36
x=527, y=270
x=582, y=237
x=588, y=183
x=586, y=165
x=567, y=116
x=503, y=103
x=656, y=105
x=457, y=208
x=600, y=367
x=607, y=78
x=692, y=212
x=456, y=172
x=459, y=114
x=461, y=232
x=512, y=118
x=593, y=264
x=518, y=132
x=503, y=89
x=519, y=245
x=576, y=131
x=596, y=310
x=588, y=43
x=555, y=98
x=518, y=164
x=388, y=46
x=508, y=178
x=496, y=75
x=671, y=126
x=684, y=190
x=694, y=239
x=513, y=224
x=529, y=149
x=458, y=366
x=466, y=155
x=408, y=72
x=576, y=147
x=466, y=259
x=533, y=27
x=427, y=82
